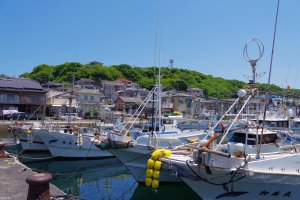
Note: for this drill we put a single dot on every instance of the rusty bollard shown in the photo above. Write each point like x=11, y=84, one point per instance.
x=2, y=149
x=38, y=186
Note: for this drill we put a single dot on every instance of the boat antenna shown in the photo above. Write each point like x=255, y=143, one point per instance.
x=159, y=88
x=253, y=62
x=273, y=44
x=154, y=65
x=70, y=100
x=267, y=96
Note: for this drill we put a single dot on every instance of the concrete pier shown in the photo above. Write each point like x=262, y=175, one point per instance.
x=13, y=184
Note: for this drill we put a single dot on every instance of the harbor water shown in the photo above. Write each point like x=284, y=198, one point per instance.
x=97, y=179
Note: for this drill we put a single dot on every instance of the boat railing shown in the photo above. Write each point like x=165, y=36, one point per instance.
x=235, y=119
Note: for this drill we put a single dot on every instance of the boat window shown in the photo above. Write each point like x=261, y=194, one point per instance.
x=296, y=124
x=167, y=121
x=252, y=139
x=285, y=124
x=269, y=138
x=273, y=124
x=238, y=138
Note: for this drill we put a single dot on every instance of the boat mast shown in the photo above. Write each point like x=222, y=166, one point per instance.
x=70, y=100
x=159, y=101
x=269, y=80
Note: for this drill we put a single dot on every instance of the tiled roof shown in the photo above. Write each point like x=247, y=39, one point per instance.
x=131, y=99
x=20, y=83
x=88, y=91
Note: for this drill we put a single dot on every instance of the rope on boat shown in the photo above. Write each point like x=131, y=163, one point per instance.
x=232, y=180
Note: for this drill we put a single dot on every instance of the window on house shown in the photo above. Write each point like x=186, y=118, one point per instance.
x=12, y=98
x=35, y=99
x=85, y=97
x=188, y=103
x=92, y=98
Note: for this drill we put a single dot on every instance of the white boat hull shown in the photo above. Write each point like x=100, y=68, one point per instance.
x=30, y=142
x=243, y=190
x=135, y=160
x=277, y=177
x=65, y=145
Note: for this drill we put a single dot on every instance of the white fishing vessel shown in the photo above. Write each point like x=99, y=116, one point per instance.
x=255, y=164
x=72, y=143
x=28, y=137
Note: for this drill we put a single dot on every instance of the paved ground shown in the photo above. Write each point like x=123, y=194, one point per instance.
x=13, y=180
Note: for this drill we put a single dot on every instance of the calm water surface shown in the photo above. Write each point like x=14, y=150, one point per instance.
x=99, y=179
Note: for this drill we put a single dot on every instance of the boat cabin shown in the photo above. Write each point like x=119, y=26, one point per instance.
x=246, y=141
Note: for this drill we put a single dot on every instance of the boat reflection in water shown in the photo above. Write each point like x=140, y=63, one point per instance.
x=90, y=179
x=99, y=179
x=105, y=179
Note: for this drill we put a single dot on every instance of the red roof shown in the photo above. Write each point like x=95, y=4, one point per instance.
x=124, y=80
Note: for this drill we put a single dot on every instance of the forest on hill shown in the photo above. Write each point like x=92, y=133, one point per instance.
x=176, y=78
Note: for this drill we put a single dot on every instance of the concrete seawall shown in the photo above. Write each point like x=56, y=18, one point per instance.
x=13, y=184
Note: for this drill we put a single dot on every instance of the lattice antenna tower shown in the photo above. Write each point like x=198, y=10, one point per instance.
x=171, y=63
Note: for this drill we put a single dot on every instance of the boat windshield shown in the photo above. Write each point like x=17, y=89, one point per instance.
x=167, y=121
x=238, y=138
x=251, y=138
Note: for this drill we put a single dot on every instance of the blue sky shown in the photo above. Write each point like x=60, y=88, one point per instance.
x=206, y=36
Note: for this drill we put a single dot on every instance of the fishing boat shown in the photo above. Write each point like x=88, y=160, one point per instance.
x=75, y=143
x=28, y=137
x=255, y=164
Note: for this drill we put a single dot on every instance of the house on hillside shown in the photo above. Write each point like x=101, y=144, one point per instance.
x=60, y=102
x=110, y=88
x=86, y=83
x=197, y=92
x=127, y=104
x=89, y=99
x=23, y=94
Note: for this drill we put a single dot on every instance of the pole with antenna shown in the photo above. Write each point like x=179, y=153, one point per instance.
x=269, y=79
x=252, y=82
x=273, y=44
x=70, y=100
x=154, y=66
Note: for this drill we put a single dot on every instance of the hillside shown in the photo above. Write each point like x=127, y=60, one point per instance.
x=178, y=79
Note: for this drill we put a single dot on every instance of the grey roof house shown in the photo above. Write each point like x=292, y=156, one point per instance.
x=23, y=94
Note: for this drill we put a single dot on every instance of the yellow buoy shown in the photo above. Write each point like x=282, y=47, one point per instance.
x=167, y=153
x=155, y=183
x=150, y=163
x=156, y=174
x=148, y=182
x=157, y=165
x=149, y=173
x=156, y=154
x=127, y=133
